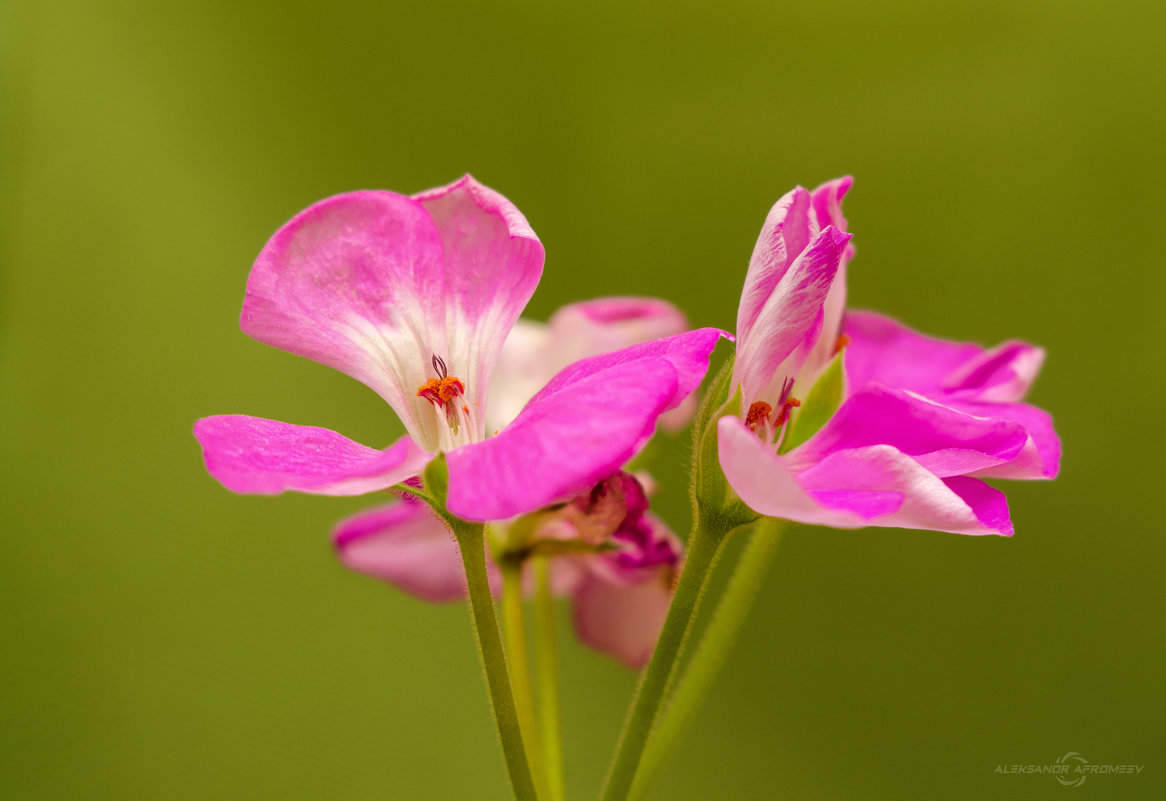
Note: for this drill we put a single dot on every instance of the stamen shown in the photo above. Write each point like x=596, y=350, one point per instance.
x=758, y=415
x=841, y=343
x=786, y=406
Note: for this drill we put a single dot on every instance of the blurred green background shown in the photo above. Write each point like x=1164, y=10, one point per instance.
x=163, y=638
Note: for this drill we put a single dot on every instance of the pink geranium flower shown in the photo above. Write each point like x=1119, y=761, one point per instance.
x=414, y=296
x=619, y=595
x=921, y=421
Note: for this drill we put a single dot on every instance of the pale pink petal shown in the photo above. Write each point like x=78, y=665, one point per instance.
x=945, y=441
x=787, y=231
x=623, y=619
x=957, y=504
x=789, y=323
x=583, y=426
x=493, y=262
x=534, y=352
x=356, y=282
x=376, y=284
x=267, y=457
x=407, y=546
x=767, y=485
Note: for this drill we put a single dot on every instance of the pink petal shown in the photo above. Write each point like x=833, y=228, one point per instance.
x=583, y=426
x=405, y=545
x=827, y=201
x=787, y=231
x=767, y=485
x=945, y=441
x=267, y=457
x=1041, y=456
x=623, y=620
x=375, y=284
x=958, y=504
x=535, y=352
x=790, y=321
x=493, y=263
x=882, y=349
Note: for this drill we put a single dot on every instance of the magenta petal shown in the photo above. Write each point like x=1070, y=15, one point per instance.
x=945, y=441
x=623, y=619
x=562, y=443
x=768, y=486
x=407, y=546
x=929, y=502
x=1003, y=374
x=789, y=322
x=267, y=457
x=885, y=350
x=1041, y=457
x=827, y=201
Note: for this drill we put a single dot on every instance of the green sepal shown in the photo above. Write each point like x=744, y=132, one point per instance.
x=820, y=404
x=709, y=487
x=436, y=478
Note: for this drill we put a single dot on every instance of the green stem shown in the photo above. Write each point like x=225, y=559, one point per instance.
x=709, y=656
x=472, y=544
x=703, y=547
x=514, y=631
x=546, y=656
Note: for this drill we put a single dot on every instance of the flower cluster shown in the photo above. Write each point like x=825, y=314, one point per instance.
x=519, y=434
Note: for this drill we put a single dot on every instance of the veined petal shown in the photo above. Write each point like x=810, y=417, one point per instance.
x=789, y=323
x=406, y=545
x=267, y=457
x=493, y=262
x=356, y=282
x=827, y=201
x=944, y=440
x=579, y=429
x=375, y=284
x=956, y=504
x=767, y=485
x=1003, y=374
x=623, y=619
x=534, y=352
x=787, y=231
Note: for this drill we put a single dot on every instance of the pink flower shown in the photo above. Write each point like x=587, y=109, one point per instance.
x=414, y=296
x=620, y=597
x=921, y=421
x=620, y=586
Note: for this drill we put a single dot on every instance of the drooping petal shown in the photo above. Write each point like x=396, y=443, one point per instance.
x=1041, y=456
x=406, y=545
x=534, y=352
x=946, y=441
x=885, y=350
x=582, y=427
x=623, y=619
x=267, y=457
x=767, y=485
x=789, y=323
x=493, y=262
x=957, y=504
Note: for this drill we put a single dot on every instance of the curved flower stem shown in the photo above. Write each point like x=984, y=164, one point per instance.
x=514, y=630
x=709, y=656
x=703, y=547
x=472, y=544
x=547, y=661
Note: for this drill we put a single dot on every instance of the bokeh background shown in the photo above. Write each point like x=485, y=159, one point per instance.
x=162, y=638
